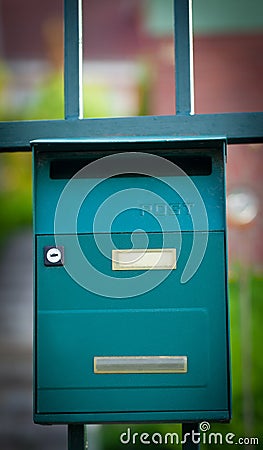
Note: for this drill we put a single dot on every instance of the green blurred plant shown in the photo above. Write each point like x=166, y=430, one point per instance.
x=15, y=193
x=16, y=168
x=48, y=102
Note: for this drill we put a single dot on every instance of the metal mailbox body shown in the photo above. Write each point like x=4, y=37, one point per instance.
x=111, y=345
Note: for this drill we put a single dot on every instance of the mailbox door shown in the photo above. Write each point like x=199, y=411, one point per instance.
x=82, y=336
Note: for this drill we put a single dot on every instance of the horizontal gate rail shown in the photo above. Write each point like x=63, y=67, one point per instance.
x=238, y=128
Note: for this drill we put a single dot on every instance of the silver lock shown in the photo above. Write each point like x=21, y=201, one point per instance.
x=53, y=256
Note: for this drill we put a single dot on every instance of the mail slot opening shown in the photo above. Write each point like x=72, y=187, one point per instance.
x=192, y=165
x=140, y=364
x=142, y=259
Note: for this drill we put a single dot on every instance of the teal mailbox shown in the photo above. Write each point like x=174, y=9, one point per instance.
x=131, y=307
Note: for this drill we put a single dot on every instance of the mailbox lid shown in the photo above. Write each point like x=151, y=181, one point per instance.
x=168, y=203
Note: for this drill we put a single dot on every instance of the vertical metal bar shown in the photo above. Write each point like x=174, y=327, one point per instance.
x=77, y=437
x=190, y=436
x=73, y=59
x=184, y=76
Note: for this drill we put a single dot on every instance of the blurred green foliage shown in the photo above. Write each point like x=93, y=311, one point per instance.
x=16, y=169
x=15, y=193
x=46, y=101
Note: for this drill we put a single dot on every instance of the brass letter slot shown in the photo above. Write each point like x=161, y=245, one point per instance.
x=144, y=259
x=140, y=364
